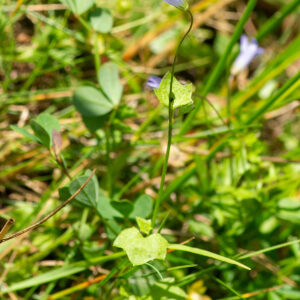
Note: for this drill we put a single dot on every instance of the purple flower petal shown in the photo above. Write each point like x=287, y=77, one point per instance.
x=244, y=42
x=176, y=3
x=248, y=50
x=153, y=82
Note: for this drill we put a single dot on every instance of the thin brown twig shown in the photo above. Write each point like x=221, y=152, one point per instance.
x=33, y=226
x=248, y=295
x=6, y=227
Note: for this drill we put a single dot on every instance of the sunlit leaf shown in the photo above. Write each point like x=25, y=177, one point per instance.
x=141, y=249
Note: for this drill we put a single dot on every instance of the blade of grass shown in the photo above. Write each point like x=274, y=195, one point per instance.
x=220, y=67
x=282, y=93
x=239, y=296
x=59, y=273
x=267, y=249
x=276, y=19
x=207, y=254
x=278, y=65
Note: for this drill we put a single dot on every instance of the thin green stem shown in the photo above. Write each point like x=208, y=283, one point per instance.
x=156, y=270
x=84, y=23
x=228, y=109
x=177, y=50
x=96, y=53
x=228, y=101
x=107, y=143
x=171, y=114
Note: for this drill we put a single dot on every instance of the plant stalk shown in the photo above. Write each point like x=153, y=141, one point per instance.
x=171, y=115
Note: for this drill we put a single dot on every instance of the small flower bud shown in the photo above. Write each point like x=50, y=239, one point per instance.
x=180, y=4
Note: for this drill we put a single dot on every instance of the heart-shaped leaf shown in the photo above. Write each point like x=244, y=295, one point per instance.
x=182, y=93
x=90, y=102
x=108, y=78
x=141, y=249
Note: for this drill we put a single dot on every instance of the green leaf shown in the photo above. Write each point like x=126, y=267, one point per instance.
x=185, y=109
x=142, y=207
x=108, y=78
x=144, y=225
x=24, y=132
x=40, y=133
x=90, y=102
x=207, y=254
x=125, y=207
x=140, y=249
x=78, y=6
x=64, y=193
x=89, y=195
x=182, y=93
x=101, y=20
x=112, y=229
x=48, y=122
x=43, y=126
x=106, y=210
x=95, y=123
x=61, y=272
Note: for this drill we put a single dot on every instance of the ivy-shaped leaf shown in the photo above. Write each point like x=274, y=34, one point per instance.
x=182, y=93
x=141, y=249
x=144, y=225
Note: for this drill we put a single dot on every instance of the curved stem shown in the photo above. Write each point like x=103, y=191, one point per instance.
x=177, y=50
x=171, y=113
x=35, y=225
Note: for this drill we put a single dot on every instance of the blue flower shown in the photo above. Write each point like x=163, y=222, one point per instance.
x=248, y=51
x=153, y=82
x=181, y=4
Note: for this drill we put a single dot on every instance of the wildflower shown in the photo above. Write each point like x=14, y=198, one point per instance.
x=248, y=51
x=153, y=82
x=181, y=4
